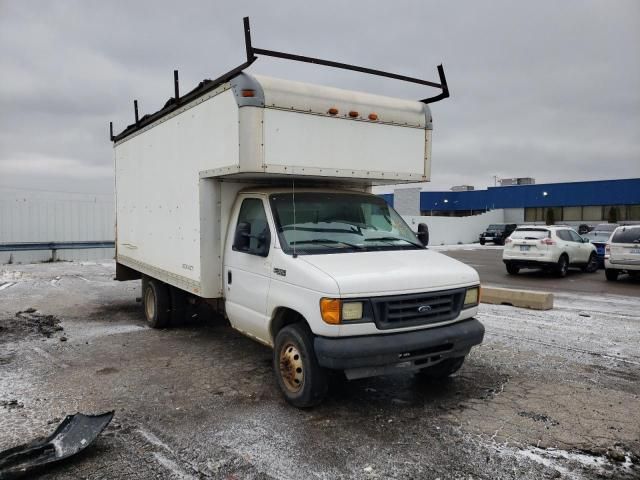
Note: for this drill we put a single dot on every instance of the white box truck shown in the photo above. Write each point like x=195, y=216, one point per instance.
x=252, y=194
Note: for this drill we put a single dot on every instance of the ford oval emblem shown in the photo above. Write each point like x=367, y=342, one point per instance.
x=424, y=308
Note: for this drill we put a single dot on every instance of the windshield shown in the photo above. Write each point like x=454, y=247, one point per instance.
x=529, y=234
x=495, y=227
x=594, y=236
x=323, y=222
x=627, y=235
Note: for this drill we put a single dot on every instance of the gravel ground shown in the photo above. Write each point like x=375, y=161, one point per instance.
x=548, y=395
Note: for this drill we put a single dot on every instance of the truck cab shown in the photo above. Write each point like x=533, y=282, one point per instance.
x=335, y=280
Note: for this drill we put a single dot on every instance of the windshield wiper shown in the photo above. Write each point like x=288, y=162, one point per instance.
x=389, y=239
x=325, y=241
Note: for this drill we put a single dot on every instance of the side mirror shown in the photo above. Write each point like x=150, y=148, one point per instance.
x=242, y=237
x=423, y=234
x=264, y=242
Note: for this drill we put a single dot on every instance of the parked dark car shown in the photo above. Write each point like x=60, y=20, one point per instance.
x=584, y=228
x=497, y=233
x=599, y=236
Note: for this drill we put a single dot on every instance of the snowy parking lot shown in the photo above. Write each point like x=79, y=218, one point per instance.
x=551, y=394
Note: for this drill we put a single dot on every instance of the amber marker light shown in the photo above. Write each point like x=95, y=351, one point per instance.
x=333, y=111
x=248, y=93
x=353, y=114
x=373, y=116
x=330, y=310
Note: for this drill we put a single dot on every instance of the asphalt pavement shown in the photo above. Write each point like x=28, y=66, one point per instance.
x=548, y=395
x=487, y=261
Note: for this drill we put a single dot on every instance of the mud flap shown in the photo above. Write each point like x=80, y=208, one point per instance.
x=74, y=434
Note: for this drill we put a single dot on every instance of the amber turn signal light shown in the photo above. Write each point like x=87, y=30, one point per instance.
x=330, y=310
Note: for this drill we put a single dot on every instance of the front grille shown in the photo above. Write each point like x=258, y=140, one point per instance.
x=417, y=309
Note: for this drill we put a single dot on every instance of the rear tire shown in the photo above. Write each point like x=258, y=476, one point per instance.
x=156, y=301
x=512, y=269
x=442, y=370
x=178, y=306
x=611, y=274
x=562, y=268
x=592, y=264
x=303, y=382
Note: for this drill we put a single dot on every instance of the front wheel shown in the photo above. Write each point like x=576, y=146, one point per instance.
x=611, y=274
x=592, y=264
x=303, y=382
x=482, y=241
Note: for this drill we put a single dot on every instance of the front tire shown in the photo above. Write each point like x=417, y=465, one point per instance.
x=482, y=241
x=157, y=303
x=562, y=268
x=611, y=274
x=303, y=382
x=512, y=269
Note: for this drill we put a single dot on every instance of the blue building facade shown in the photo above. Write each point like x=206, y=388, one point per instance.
x=571, y=201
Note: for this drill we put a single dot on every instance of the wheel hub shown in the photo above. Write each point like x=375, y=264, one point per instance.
x=149, y=303
x=291, y=367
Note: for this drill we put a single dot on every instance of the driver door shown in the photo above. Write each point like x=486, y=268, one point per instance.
x=247, y=270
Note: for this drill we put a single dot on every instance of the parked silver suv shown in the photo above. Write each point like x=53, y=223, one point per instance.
x=622, y=252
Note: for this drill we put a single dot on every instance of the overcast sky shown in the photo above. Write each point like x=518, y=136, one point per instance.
x=545, y=89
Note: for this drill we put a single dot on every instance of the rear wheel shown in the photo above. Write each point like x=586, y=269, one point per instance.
x=303, y=382
x=611, y=274
x=512, y=269
x=562, y=268
x=442, y=370
x=157, y=303
x=592, y=264
x=178, y=306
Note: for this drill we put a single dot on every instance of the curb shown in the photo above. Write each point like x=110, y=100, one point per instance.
x=517, y=298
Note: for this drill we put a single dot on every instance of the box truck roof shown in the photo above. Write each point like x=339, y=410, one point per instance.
x=207, y=86
x=262, y=91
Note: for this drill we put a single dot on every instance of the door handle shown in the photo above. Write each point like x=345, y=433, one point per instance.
x=229, y=277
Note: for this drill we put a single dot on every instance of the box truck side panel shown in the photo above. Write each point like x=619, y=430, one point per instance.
x=314, y=142
x=158, y=193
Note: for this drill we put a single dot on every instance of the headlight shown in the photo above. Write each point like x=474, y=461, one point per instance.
x=352, y=311
x=472, y=297
x=334, y=311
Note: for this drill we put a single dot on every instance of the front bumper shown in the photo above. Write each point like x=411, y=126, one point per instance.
x=398, y=352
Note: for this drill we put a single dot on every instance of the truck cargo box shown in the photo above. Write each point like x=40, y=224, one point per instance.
x=177, y=176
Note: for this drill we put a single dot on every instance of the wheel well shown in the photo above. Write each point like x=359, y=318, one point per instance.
x=282, y=317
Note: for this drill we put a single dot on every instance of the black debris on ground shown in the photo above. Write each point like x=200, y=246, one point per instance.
x=29, y=322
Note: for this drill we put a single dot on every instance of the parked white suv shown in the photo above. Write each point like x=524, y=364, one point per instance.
x=622, y=252
x=553, y=248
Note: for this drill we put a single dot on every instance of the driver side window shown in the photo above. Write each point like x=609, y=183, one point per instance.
x=252, y=233
x=575, y=237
